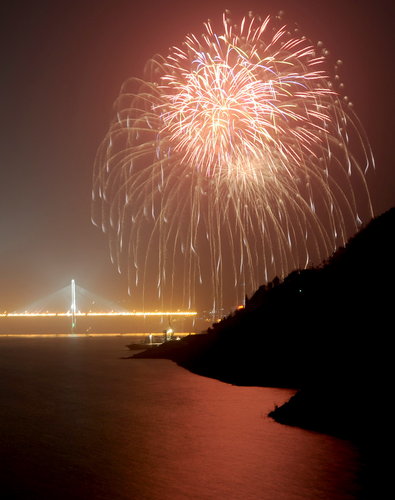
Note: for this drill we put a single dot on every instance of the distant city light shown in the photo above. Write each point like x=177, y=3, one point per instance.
x=70, y=314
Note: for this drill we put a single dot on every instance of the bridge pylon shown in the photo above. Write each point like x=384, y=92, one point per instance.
x=73, y=307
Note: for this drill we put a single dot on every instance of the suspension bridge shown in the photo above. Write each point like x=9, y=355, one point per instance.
x=81, y=306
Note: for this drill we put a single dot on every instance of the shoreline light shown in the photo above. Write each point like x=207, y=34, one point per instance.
x=90, y=314
x=68, y=335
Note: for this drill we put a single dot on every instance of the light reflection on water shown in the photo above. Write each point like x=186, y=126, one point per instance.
x=79, y=422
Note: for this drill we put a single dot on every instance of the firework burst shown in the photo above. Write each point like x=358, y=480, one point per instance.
x=234, y=160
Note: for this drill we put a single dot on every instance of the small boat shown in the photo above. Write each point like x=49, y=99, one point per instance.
x=141, y=345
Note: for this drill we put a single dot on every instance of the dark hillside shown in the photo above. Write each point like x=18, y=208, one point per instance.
x=325, y=330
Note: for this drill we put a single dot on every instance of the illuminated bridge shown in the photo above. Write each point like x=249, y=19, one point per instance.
x=96, y=308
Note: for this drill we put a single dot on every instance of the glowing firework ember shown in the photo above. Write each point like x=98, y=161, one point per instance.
x=233, y=161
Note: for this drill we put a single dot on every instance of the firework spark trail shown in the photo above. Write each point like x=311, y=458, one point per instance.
x=235, y=160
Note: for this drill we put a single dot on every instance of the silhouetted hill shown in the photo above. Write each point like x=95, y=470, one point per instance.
x=325, y=330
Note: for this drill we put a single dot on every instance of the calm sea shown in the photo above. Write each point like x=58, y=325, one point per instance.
x=79, y=422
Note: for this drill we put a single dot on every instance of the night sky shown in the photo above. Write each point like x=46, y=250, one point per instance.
x=63, y=63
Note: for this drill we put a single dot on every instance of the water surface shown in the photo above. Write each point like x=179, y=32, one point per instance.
x=79, y=422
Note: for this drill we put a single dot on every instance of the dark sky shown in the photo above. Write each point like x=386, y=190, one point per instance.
x=63, y=63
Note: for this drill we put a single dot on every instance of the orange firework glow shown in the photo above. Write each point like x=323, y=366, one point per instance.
x=236, y=159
